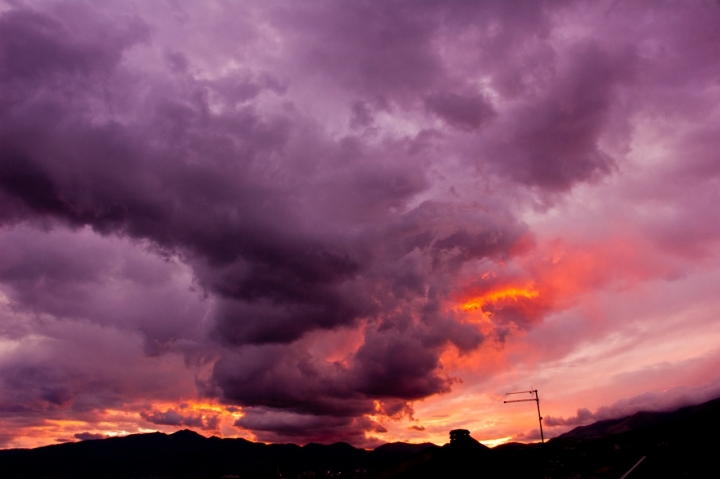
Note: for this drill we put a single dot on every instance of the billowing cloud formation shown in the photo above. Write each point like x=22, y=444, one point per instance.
x=312, y=206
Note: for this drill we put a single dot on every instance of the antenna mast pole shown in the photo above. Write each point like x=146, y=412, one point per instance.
x=535, y=398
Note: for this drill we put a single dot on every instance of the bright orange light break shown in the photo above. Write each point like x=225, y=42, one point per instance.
x=495, y=296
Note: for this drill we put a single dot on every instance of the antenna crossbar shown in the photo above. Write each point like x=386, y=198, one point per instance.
x=536, y=398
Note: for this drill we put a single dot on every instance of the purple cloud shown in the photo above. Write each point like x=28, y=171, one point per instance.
x=463, y=112
x=231, y=191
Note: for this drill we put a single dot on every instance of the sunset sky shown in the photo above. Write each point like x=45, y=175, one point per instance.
x=360, y=221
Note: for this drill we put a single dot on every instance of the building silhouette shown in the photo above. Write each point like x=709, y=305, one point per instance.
x=459, y=436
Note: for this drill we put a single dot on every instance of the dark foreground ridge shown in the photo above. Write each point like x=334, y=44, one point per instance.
x=680, y=444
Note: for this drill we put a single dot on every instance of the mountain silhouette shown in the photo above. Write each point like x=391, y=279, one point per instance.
x=188, y=454
x=641, y=420
x=680, y=443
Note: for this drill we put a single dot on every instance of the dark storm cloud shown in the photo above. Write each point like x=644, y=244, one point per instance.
x=552, y=142
x=286, y=378
x=36, y=48
x=110, y=178
x=560, y=101
x=390, y=367
x=398, y=49
x=370, y=48
x=397, y=363
x=258, y=322
x=290, y=229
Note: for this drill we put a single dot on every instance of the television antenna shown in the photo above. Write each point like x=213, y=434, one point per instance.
x=535, y=398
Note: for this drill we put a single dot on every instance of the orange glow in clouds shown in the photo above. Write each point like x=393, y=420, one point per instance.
x=496, y=296
x=510, y=298
x=214, y=419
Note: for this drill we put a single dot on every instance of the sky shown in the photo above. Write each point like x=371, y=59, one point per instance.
x=360, y=221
